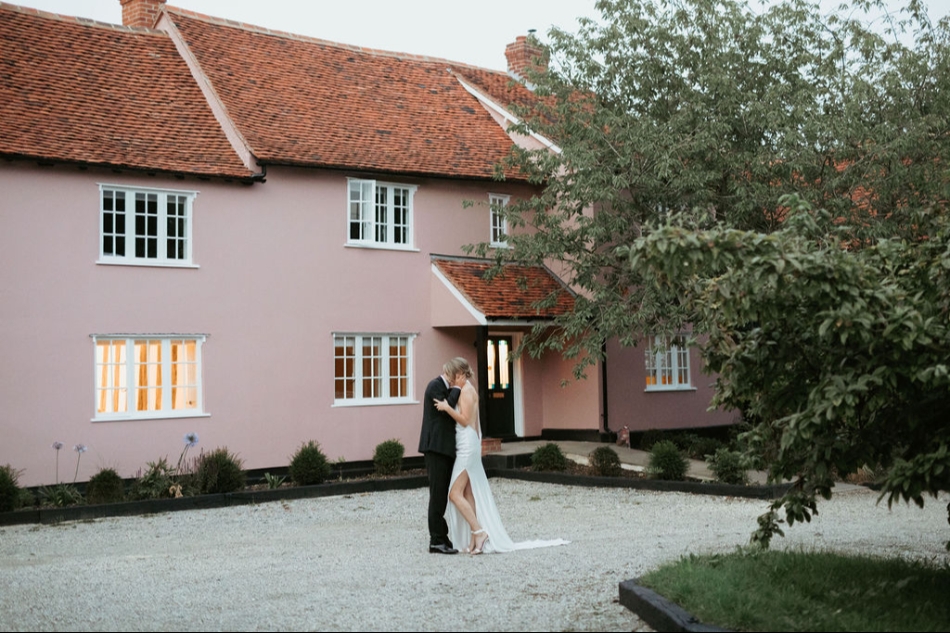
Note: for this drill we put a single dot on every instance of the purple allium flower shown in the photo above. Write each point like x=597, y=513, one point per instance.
x=80, y=448
x=57, y=445
x=191, y=439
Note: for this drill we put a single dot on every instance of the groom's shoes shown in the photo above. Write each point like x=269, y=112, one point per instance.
x=442, y=548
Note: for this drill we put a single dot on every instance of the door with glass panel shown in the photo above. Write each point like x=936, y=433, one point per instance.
x=500, y=388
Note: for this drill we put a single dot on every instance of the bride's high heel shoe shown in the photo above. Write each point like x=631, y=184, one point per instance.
x=479, y=545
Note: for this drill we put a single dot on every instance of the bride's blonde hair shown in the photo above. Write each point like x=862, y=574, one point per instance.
x=457, y=365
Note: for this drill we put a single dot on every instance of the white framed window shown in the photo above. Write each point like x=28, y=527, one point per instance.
x=379, y=214
x=667, y=363
x=372, y=368
x=147, y=376
x=145, y=226
x=499, y=225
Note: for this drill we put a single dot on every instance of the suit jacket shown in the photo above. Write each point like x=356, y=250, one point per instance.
x=438, y=427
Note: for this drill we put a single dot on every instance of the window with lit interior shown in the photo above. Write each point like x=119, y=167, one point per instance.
x=667, y=363
x=148, y=376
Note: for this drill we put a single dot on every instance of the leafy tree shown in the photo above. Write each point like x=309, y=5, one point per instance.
x=840, y=356
x=715, y=106
x=683, y=129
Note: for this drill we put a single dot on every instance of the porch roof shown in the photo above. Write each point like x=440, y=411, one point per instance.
x=464, y=294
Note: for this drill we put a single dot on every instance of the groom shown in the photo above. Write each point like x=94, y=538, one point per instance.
x=437, y=444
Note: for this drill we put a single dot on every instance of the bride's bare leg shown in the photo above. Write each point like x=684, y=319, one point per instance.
x=465, y=507
x=470, y=497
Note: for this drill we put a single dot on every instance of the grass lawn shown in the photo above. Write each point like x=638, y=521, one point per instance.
x=753, y=590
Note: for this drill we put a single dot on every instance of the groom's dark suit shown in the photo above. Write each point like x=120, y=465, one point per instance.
x=437, y=444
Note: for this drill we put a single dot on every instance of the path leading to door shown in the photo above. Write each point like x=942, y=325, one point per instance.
x=629, y=458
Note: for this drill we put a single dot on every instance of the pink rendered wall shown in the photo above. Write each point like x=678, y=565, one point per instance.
x=274, y=281
x=629, y=403
x=576, y=404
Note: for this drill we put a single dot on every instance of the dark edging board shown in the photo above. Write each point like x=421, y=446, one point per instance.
x=332, y=488
x=658, y=612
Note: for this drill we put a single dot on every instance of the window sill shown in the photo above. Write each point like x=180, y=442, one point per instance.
x=668, y=389
x=499, y=245
x=371, y=403
x=159, y=416
x=382, y=247
x=114, y=262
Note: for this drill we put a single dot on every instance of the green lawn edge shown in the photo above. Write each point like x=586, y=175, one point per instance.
x=759, y=590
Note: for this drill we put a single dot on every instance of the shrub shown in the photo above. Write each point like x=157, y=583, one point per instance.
x=548, y=457
x=309, y=465
x=274, y=481
x=9, y=488
x=388, y=457
x=156, y=482
x=27, y=498
x=649, y=438
x=703, y=447
x=684, y=440
x=667, y=462
x=105, y=487
x=61, y=495
x=219, y=471
x=605, y=462
x=728, y=466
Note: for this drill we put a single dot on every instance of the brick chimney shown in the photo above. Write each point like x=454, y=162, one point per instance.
x=524, y=53
x=143, y=13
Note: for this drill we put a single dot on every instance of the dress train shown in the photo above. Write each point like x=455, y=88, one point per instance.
x=469, y=458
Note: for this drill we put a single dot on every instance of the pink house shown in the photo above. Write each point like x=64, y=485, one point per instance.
x=257, y=237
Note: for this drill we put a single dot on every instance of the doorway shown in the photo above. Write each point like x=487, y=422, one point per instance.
x=500, y=387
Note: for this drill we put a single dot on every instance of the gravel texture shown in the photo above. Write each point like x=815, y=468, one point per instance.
x=360, y=562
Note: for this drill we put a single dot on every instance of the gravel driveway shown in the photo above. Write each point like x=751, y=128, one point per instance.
x=359, y=562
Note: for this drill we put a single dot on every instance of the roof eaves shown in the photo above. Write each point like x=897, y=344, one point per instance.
x=247, y=177
x=441, y=175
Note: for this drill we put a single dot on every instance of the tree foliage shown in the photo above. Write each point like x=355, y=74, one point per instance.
x=717, y=106
x=839, y=356
x=776, y=177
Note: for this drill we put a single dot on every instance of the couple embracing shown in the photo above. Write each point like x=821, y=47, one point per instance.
x=462, y=511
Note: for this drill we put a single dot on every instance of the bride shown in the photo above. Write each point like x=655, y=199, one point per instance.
x=472, y=516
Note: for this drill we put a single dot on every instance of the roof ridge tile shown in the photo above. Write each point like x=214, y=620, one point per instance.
x=73, y=19
x=325, y=42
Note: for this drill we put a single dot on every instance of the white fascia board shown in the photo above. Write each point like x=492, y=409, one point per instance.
x=478, y=316
x=507, y=115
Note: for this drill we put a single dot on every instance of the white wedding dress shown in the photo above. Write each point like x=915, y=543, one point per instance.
x=468, y=457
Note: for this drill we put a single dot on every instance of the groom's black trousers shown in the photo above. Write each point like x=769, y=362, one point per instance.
x=439, y=468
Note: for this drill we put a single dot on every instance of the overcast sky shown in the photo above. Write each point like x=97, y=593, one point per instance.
x=468, y=32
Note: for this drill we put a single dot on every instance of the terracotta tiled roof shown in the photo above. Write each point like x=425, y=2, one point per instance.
x=499, y=87
x=84, y=91
x=510, y=294
x=299, y=100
